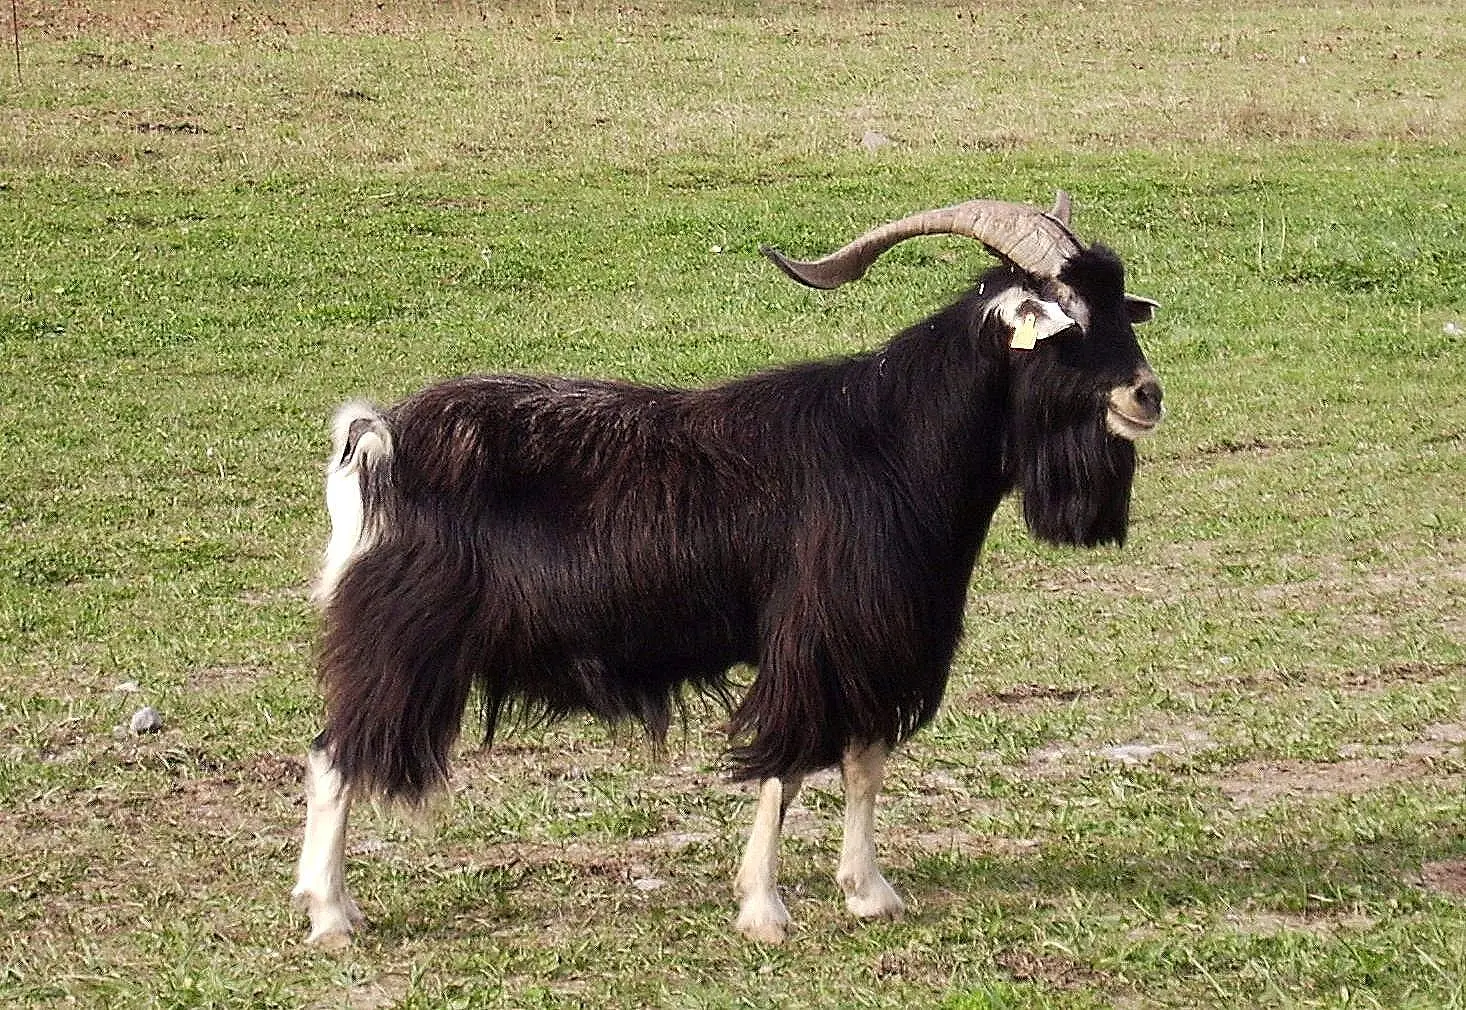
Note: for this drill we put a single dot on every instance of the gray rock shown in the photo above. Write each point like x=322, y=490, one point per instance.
x=146, y=720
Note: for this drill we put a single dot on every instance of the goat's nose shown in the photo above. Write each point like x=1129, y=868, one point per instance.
x=1146, y=394
x=1135, y=408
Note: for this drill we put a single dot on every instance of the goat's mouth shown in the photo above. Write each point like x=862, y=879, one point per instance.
x=1128, y=425
x=1133, y=410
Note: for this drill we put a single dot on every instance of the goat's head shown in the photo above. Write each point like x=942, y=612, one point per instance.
x=1080, y=390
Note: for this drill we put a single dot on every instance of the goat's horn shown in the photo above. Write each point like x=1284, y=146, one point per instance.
x=1025, y=236
x=1060, y=211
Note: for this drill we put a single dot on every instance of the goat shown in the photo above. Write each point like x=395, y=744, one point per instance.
x=568, y=545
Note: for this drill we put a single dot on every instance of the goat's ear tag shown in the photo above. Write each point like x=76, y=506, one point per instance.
x=1025, y=334
x=1032, y=318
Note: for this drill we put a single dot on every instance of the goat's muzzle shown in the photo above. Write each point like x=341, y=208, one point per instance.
x=1135, y=408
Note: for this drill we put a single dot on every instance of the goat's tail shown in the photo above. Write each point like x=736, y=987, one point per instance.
x=390, y=668
x=360, y=439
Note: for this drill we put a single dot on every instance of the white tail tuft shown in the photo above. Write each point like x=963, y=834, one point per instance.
x=359, y=437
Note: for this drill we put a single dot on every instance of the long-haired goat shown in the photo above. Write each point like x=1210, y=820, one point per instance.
x=567, y=545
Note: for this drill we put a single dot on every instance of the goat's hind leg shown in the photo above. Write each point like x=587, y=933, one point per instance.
x=761, y=912
x=320, y=882
x=867, y=894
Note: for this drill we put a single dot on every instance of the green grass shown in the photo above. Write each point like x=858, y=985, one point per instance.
x=215, y=224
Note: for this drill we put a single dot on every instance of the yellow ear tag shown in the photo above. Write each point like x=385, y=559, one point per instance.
x=1025, y=334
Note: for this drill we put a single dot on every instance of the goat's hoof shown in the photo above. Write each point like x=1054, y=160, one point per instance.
x=877, y=900
x=767, y=931
x=332, y=922
x=764, y=922
x=330, y=941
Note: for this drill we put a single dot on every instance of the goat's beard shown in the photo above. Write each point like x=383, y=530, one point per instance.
x=1075, y=483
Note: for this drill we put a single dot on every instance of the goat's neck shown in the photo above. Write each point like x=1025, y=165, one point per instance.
x=945, y=394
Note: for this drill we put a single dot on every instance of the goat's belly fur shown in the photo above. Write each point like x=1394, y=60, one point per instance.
x=408, y=642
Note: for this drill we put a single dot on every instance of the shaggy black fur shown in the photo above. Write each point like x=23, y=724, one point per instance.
x=566, y=545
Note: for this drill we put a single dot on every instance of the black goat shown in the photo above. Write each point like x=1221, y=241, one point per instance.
x=564, y=545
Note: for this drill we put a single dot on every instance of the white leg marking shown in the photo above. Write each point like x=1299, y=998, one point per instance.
x=761, y=912
x=867, y=894
x=320, y=881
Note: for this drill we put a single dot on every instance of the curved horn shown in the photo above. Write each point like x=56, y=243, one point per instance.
x=1024, y=235
x=1060, y=210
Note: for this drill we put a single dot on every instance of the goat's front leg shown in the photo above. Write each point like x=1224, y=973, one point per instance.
x=866, y=892
x=761, y=912
x=320, y=881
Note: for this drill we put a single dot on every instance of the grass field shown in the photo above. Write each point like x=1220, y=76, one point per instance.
x=1224, y=766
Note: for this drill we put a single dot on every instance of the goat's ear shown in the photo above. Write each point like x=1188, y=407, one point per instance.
x=1029, y=317
x=1141, y=310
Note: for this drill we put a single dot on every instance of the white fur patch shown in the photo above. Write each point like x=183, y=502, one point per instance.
x=1029, y=317
x=867, y=894
x=762, y=915
x=320, y=880
x=349, y=536
x=343, y=503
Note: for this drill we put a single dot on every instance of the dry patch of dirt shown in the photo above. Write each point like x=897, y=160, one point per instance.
x=925, y=967
x=1373, y=596
x=1031, y=697
x=1361, y=768
x=1049, y=969
x=1263, y=783
x=1060, y=761
x=1445, y=876
x=94, y=858
x=1205, y=455
x=226, y=799
x=1262, y=922
x=1397, y=674
x=614, y=861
